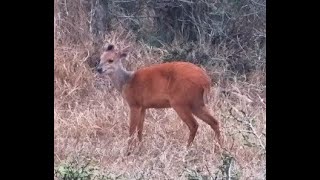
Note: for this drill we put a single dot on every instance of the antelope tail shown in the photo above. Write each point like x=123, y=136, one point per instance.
x=206, y=95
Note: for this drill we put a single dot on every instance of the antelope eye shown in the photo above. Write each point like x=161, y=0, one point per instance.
x=110, y=60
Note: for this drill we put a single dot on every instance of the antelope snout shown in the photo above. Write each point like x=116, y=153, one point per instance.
x=99, y=69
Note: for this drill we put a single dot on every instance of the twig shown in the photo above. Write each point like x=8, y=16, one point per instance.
x=186, y=1
x=208, y=171
x=254, y=2
x=124, y=1
x=249, y=124
x=255, y=133
x=65, y=6
x=229, y=169
x=138, y=16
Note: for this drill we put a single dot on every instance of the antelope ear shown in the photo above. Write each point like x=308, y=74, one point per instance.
x=123, y=55
x=124, y=52
x=109, y=47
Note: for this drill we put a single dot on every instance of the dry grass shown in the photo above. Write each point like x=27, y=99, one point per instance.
x=91, y=121
x=91, y=118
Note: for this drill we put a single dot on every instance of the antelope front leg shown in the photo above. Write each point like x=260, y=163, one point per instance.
x=140, y=124
x=135, y=114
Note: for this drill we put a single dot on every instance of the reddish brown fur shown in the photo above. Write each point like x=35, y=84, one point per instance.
x=161, y=85
x=180, y=85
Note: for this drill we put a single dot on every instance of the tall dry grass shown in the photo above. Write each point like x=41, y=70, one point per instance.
x=91, y=118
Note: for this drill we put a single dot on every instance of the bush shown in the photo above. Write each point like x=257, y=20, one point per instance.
x=237, y=26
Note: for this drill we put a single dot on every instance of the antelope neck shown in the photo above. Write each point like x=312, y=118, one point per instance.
x=120, y=77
